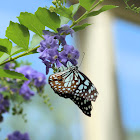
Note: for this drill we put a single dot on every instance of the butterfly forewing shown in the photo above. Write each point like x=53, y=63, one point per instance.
x=85, y=88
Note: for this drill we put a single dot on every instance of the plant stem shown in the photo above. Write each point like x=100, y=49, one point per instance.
x=127, y=4
x=16, y=57
x=87, y=12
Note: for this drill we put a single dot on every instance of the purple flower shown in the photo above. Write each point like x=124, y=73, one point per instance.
x=65, y=29
x=61, y=35
x=48, y=66
x=26, y=70
x=39, y=79
x=58, y=36
x=25, y=91
x=69, y=54
x=61, y=38
x=18, y=136
x=43, y=54
x=9, y=66
x=4, y=104
x=51, y=55
x=49, y=42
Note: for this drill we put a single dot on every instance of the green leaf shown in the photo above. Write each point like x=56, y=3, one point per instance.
x=51, y=20
x=12, y=74
x=31, y=22
x=3, y=49
x=35, y=41
x=64, y=20
x=65, y=12
x=16, y=50
x=75, y=8
x=87, y=4
x=4, y=57
x=80, y=27
x=5, y=46
x=19, y=34
x=104, y=8
x=1, y=53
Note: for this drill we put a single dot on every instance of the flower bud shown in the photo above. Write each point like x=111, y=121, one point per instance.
x=54, y=2
x=52, y=9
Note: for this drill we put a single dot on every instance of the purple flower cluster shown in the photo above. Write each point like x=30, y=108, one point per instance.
x=38, y=79
x=4, y=104
x=18, y=136
x=55, y=50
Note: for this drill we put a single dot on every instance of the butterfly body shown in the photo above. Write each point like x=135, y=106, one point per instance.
x=73, y=84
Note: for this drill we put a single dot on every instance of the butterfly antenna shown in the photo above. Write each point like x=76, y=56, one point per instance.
x=82, y=59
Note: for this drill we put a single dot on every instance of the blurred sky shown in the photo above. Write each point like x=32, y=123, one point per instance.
x=127, y=51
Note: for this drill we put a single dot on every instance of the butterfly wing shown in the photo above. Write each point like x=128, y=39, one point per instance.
x=63, y=83
x=76, y=86
x=85, y=88
x=83, y=104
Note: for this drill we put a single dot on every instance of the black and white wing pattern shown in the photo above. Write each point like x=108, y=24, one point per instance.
x=75, y=85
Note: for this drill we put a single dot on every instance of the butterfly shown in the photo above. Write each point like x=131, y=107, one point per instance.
x=73, y=84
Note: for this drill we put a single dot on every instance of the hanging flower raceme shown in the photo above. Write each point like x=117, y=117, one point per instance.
x=35, y=78
x=25, y=90
x=14, y=89
x=54, y=49
x=4, y=105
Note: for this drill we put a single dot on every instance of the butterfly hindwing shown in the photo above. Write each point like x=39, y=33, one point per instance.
x=63, y=83
x=83, y=104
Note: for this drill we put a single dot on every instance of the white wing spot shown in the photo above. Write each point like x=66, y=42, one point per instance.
x=73, y=82
x=77, y=91
x=89, y=91
x=85, y=101
x=65, y=85
x=81, y=87
x=77, y=83
x=92, y=88
x=82, y=78
x=85, y=87
x=92, y=96
x=86, y=82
